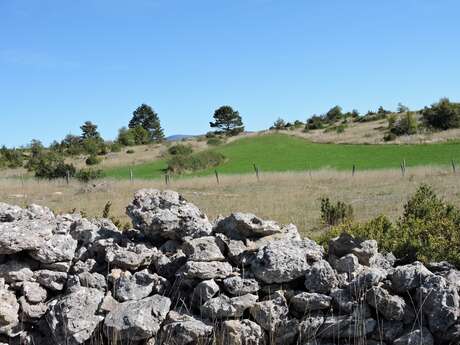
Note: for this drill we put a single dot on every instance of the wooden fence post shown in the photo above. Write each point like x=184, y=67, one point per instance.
x=166, y=178
x=131, y=177
x=353, y=170
x=256, y=169
x=454, y=169
x=67, y=176
x=403, y=168
x=217, y=176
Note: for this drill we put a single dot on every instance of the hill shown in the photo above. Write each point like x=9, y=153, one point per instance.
x=279, y=152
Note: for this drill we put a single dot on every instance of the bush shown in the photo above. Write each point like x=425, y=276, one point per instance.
x=389, y=137
x=427, y=231
x=180, y=149
x=315, y=122
x=115, y=147
x=86, y=175
x=52, y=166
x=198, y=161
x=442, y=115
x=279, y=124
x=130, y=152
x=92, y=160
x=10, y=158
x=335, y=214
x=406, y=125
x=215, y=141
x=338, y=129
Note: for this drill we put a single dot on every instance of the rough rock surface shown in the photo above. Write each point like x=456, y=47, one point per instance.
x=175, y=279
x=167, y=215
x=137, y=320
x=285, y=260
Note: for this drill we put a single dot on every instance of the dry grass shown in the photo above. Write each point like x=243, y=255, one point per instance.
x=285, y=197
x=373, y=133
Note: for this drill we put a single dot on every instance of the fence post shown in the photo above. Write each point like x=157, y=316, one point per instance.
x=256, y=169
x=403, y=168
x=131, y=174
x=67, y=176
x=454, y=169
x=353, y=170
x=166, y=178
x=217, y=176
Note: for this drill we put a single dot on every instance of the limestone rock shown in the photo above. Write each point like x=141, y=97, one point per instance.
x=408, y=277
x=222, y=307
x=138, y=286
x=137, y=320
x=33, y=292
x=391, y=307
x=320, y=277
x=241, y=332
x=306, y=302
x=416, y=337
x=50, y=279
x=286, y=260
x=205, y=270
x=204, y=291
x=24, y=235
x=183, y=329
x=130, y=257
x=238, y=286
x=9, y=309
x=72, y=318
x=202, y=249
x=346, y=327
x=56, y=249
x=167, y=215
x=269, y=314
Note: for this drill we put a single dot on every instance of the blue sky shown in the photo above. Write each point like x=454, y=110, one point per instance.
x=66, y=61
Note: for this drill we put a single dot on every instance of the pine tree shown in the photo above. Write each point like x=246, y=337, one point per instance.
x=147, y=118
x=227, y=120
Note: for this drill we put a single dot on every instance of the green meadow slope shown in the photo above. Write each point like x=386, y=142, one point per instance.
x=279, y=152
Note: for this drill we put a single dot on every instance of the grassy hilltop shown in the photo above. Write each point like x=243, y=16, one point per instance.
x=280, y=152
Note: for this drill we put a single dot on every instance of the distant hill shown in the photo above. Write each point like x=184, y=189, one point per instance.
x=178, y=137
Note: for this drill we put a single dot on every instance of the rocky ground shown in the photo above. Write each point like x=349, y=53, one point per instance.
x=176, y=278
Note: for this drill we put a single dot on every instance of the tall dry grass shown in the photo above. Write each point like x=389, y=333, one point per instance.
x=289, y=197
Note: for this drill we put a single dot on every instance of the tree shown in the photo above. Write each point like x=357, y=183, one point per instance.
x=279, y=124
x=402, y=108
x=89, y=131
x=334, y=114
x=442, y=115
x=227, y=120
x=147, y=118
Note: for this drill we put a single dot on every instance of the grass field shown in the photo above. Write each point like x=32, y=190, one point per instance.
x=289, y=197
x=279, y=152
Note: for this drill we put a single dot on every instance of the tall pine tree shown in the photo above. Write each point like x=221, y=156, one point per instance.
x=227, y=120
x=148, y=119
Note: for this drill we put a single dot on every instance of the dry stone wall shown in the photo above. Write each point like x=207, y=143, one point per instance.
x=178, y=279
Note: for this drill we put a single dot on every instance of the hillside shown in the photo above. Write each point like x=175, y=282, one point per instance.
x=279, y=152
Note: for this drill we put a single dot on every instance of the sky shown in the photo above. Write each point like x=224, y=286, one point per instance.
x=63, y=62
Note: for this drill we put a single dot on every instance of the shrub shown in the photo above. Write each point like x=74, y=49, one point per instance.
x=338, y=129
x=92, y=160
x=52, y=166
x=115, y=147
x=315, y=122
x=279, y=124
x=10, y=158
x=427, y=231
x=335, y=214
x=215, y=141
x=389, y=137
x=180, y=149
x=130, y=152
x=86, y=175
x=406, y=125
x=198, y=161
x=442, y=115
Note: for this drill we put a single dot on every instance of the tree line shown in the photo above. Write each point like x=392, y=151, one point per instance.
x=143, y=128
